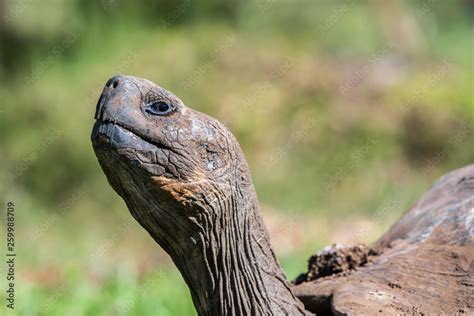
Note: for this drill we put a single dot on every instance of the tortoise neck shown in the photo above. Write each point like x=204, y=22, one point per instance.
x=215, y=235
x=233, y=269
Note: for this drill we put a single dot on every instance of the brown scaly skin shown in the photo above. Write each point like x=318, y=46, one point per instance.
x=425, y=262
x=185, y=180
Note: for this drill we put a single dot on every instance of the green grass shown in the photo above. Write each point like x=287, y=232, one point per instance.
x=120, y=293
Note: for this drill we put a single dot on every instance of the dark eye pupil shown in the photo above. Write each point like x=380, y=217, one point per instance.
x=163, y=107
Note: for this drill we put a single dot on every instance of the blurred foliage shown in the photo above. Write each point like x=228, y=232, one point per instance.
x=338, y=105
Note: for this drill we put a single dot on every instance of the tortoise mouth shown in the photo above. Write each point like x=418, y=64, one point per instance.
x=118, y=136
x=112, y=140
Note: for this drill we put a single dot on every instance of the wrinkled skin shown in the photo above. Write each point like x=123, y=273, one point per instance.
x=185, y=180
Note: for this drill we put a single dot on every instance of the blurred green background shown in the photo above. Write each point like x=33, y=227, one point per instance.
x=346, y=110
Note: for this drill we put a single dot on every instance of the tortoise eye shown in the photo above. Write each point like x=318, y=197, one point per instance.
x=159, y=108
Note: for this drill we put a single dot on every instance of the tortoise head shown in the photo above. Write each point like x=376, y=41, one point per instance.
x=166, y=160
x=155, y=132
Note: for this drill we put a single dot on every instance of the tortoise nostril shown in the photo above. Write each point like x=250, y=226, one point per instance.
x=113, y=82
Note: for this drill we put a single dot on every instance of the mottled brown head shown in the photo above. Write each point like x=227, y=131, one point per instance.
x=156, y=132
x=164, y=158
